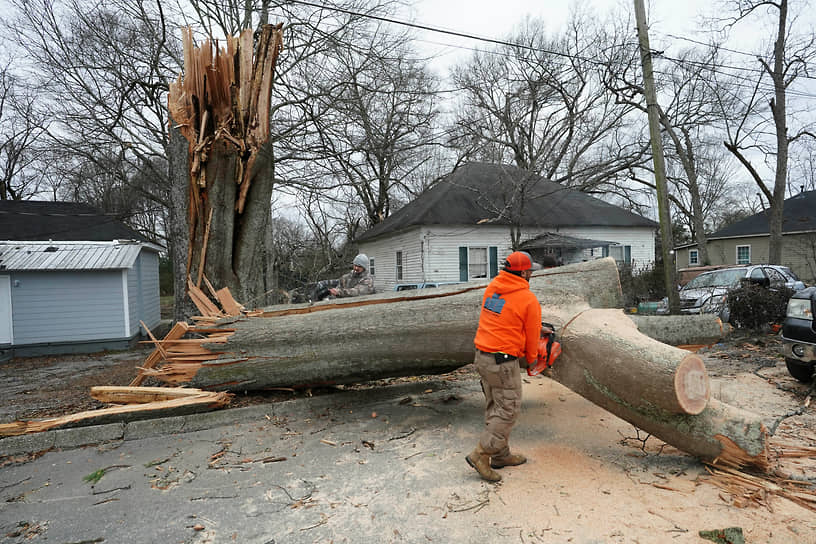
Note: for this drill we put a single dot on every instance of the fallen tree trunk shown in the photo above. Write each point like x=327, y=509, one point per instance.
x=719, y=433
x=362, y=339
x=659, y=388
x=682, y=330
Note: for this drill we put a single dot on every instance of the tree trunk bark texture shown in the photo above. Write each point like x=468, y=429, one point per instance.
x=688, y=331
x=659, y=388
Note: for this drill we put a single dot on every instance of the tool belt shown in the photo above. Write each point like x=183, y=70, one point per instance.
x=499, y=356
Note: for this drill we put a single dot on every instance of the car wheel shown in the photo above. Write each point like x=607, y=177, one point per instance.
x=799, y=370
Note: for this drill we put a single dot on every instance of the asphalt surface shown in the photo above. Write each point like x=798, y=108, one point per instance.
x=350, y=467
x=377, y=465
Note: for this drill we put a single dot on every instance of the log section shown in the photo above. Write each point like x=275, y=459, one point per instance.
x=683, y=330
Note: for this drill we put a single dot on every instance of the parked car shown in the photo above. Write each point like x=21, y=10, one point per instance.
x=706, y=293
x=799, y=335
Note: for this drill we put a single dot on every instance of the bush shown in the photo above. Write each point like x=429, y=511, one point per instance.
x=753, y=306
x=641, y=285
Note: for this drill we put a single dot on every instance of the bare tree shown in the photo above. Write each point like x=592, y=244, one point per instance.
x=374, y=115
x=686, y=117
x=100, y=72
x=541, y=105
x=787, y=60
x=21, y=128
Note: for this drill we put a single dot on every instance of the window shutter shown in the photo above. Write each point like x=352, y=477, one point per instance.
x=463, y=263
x=494, y=261
x=627, y=254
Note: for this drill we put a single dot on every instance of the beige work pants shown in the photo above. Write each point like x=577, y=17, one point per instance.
x=502, y=388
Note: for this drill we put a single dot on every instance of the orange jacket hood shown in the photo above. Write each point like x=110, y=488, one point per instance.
x=510, y=318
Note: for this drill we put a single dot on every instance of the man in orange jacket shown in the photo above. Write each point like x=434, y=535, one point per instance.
x=509, y=330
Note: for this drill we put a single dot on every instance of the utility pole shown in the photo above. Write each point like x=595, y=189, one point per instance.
x=667, y=242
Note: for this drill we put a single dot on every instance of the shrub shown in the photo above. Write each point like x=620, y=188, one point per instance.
x=641, y=285
x=753, y=306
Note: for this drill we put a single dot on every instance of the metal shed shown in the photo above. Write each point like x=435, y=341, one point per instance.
x=76, y=297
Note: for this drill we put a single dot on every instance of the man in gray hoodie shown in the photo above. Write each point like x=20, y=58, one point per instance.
x=357, y=282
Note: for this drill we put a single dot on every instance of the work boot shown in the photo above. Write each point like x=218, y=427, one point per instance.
x=480, y=460
x=509, y=460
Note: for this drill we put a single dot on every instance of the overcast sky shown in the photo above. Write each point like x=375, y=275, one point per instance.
x=495, y=19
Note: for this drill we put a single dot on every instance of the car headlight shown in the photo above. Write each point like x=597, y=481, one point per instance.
x=800, y=308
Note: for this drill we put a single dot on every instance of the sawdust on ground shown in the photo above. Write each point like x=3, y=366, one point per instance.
x=575, y=447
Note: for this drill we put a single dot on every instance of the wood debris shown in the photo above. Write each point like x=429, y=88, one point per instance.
x=178, y=356
x=221, y=105
x=175, y=401
x=746, y=489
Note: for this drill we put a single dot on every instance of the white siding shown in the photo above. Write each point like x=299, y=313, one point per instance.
x=443, y=245
x=431, y=254
x=384, y=253
x=640, y=239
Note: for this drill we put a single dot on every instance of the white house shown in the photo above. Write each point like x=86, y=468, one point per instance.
x=461, y=229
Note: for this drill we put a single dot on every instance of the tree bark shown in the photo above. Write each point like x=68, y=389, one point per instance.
x=682, y=330
x=178, y=166
x=659, y=388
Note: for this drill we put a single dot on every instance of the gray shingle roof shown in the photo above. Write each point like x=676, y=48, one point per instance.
x=799, y=215
x=41, y=220
x=480, y=192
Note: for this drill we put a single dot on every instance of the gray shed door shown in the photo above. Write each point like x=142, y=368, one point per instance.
x=5, y=310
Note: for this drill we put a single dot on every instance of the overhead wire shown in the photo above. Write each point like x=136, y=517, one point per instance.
x=744, y=81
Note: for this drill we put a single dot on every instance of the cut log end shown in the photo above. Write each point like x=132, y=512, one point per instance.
x=691, y=384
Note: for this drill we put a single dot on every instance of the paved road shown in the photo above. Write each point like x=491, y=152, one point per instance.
x=383, y=465
x=354, y=467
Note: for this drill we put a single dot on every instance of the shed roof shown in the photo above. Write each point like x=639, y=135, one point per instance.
x=42, y=256
x=479, y=192
x=44, y=220
x=553, y=239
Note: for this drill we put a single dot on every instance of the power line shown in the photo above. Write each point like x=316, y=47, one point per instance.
x=716, y=69
x=427, y=27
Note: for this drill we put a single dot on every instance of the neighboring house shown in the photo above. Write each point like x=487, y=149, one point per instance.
x=746, y=241
x=72, y=280
x=460, y=229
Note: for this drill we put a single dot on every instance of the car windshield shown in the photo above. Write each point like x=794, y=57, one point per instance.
x=720, y=278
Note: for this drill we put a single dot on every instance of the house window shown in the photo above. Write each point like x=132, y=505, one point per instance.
x=743, y=254
x=694, y=257
x=371, y=265
x=622, y=254
x=399, y=265
x=477, y=262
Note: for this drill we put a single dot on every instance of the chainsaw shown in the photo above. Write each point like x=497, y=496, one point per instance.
x=548, y=350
